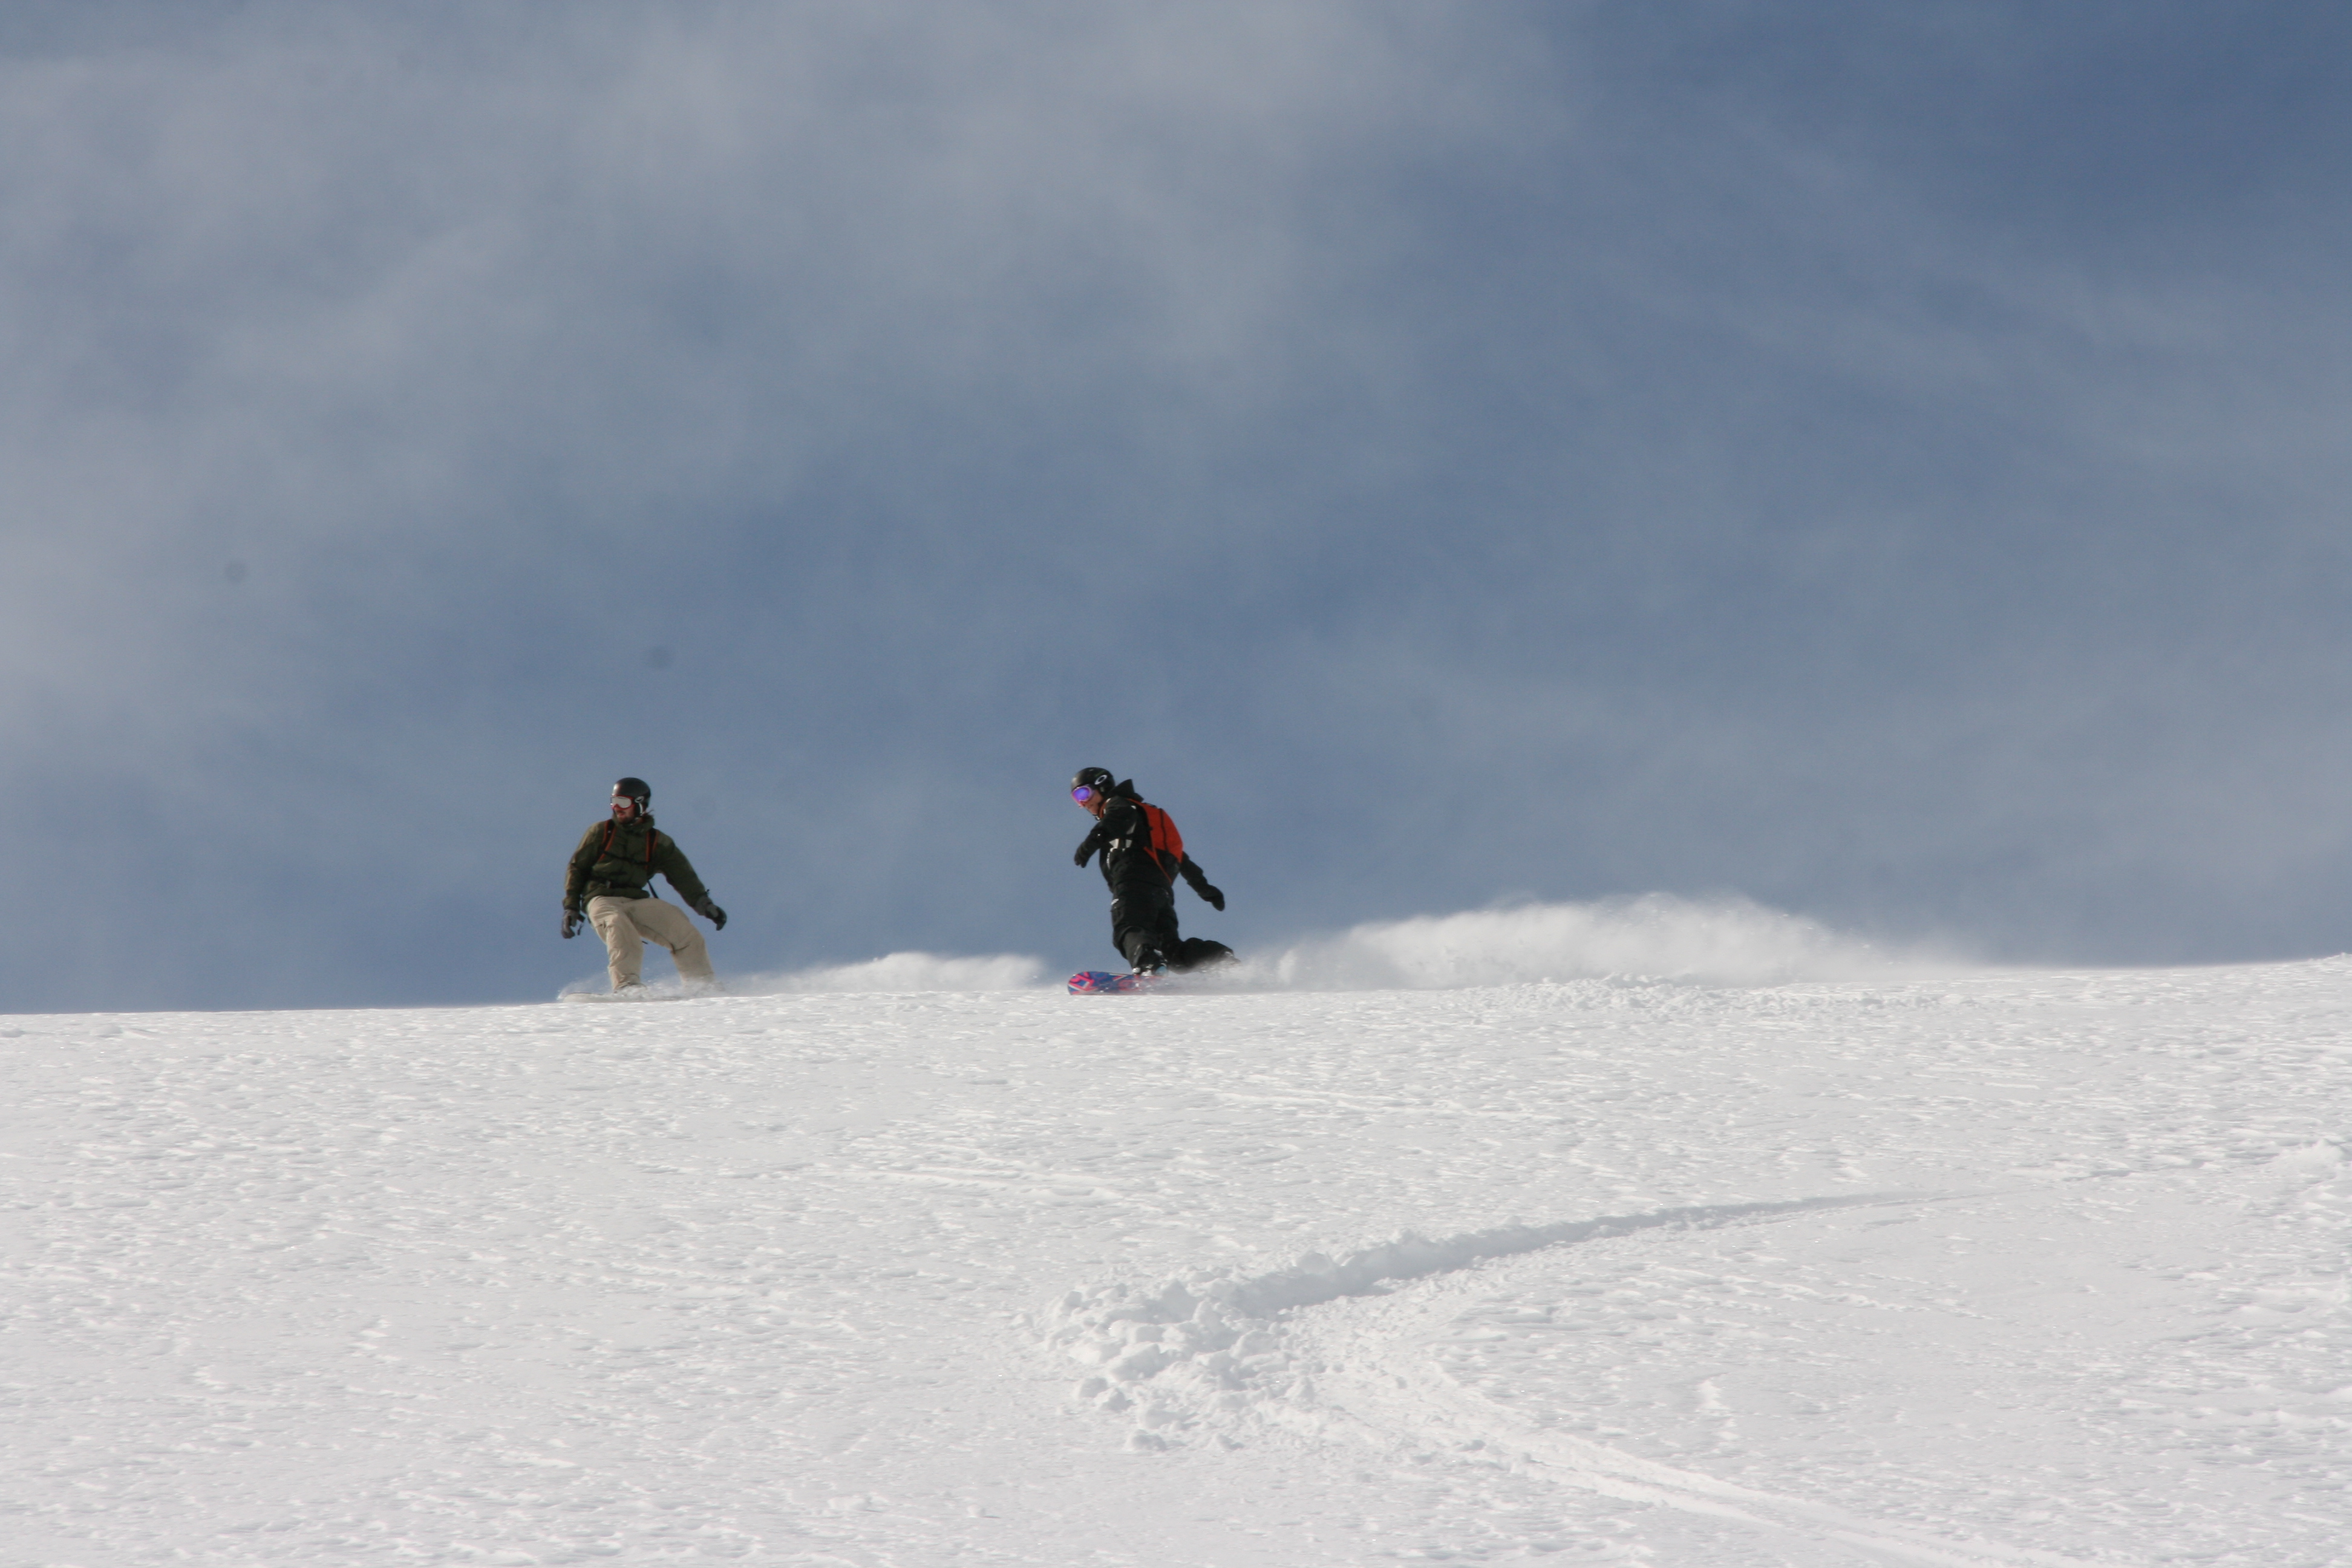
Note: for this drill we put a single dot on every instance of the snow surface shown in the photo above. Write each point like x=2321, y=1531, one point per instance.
x=1787, y=1253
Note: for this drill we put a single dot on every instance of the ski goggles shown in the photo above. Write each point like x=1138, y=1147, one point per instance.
x=1084, y=794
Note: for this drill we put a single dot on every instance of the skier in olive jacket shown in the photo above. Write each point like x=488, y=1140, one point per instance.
x=609, y=883
x=1142, y=856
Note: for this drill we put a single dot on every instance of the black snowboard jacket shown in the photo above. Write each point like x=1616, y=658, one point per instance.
x=1122, y=836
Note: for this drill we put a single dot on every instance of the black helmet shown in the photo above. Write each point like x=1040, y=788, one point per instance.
x=634, y=789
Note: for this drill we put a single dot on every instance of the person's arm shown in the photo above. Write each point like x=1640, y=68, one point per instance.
x=1200, y=881
x=671, y=862
x=576, y=879
x=1100, y=836
x=576, y=873
x=1121, y=819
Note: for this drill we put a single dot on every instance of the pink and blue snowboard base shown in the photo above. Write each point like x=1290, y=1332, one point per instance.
x=1103, y=983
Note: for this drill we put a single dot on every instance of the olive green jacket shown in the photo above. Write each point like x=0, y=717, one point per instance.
x=622, y=859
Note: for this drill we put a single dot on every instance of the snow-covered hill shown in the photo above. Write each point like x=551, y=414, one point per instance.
x=1912, y=1265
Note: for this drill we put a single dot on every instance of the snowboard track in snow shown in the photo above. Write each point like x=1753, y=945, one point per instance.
x=1220, y=1329
x=1397, y=1400
x=1209, y=1354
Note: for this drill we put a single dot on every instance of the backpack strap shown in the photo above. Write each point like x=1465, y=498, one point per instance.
x=652, y=839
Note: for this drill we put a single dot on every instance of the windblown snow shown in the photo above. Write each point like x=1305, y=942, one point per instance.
x=1661, y=1233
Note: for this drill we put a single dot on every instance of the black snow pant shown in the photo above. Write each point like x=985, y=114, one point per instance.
x=1143, y=923
x=1143, y=927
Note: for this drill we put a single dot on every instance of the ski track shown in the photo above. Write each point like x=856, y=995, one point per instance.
x=2004, y=1268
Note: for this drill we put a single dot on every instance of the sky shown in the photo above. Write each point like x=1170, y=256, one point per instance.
x=1883, y=461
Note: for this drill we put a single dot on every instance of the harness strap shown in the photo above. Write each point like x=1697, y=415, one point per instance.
x=650, y=838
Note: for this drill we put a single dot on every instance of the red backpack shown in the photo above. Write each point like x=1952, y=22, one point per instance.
x=1167, y=844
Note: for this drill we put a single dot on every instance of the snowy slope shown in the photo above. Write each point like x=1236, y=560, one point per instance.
x=1916, y=1267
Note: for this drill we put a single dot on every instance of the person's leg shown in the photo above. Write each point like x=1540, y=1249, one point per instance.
x=670, y=926
x=1197, y=952
x=625, y=945
x=1143, y=926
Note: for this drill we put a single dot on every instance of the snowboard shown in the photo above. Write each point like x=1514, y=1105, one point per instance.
x=1103, y=983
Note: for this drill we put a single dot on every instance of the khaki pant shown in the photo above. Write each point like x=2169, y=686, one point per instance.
x=627, y=924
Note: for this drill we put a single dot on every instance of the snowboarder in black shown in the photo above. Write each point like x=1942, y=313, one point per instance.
x=1142, y=856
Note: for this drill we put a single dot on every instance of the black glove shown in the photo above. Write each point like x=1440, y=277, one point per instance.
x=713, y=913
x=1216, y=899
x=1085, y=852
x=572, y=919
